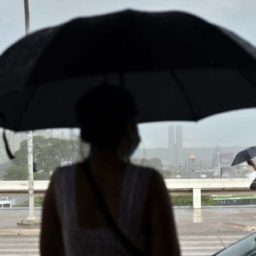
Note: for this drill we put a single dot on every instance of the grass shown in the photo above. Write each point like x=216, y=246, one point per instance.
x=177, y=200
x=38, y=202
x=186, y=200
x=208, y=200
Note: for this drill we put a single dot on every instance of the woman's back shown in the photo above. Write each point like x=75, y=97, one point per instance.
x=110, y=184
x=84, y=228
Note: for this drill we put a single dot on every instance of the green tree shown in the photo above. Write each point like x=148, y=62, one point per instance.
x=49, y=153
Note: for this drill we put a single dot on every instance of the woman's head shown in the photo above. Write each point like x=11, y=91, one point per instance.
x=107, y=115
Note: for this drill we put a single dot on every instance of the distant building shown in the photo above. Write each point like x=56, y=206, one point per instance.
x=179, y=157
x=175, y=144
x=227, y=172
x=171, y=143
x=179, y=145
x=226, y=159
x=193, y=165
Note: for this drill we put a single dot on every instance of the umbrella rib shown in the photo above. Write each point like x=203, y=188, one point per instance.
x=122, y=79
x=247, y=78
x=181, y=87
x=26, y=107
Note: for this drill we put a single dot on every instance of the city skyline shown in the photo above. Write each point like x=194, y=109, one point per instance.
x=234, y=128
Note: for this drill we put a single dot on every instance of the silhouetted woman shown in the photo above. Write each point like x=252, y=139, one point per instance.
x=106, y=205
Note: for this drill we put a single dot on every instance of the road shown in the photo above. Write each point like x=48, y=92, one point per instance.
x=201, y=232
x=190, y=245
x=19, y=246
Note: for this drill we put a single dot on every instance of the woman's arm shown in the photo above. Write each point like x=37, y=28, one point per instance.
x=163, y=236
x=251, y=163
x=51, y=234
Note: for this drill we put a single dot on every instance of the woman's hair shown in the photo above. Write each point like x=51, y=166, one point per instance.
x=103, y=114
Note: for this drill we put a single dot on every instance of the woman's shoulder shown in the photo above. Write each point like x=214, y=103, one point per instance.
x=65, y=170
x=156, y=179
x=70, y=167
x=146, y=170
x=147, y=173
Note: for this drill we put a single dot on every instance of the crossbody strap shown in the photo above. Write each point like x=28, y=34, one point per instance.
x=125, y=241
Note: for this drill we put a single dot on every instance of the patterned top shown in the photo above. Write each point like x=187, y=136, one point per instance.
x=80, y=241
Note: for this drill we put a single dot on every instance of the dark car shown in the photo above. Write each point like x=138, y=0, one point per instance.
x=243, y=247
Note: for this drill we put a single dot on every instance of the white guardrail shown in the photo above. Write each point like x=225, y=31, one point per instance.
x=195, y=185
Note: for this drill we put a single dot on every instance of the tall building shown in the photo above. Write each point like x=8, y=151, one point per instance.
x=171, y=143
x=193, y=165
x=178, y=147
x=175, y=144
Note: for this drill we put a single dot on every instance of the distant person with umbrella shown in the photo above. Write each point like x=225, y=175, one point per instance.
x=106, y=205
x=246, y=155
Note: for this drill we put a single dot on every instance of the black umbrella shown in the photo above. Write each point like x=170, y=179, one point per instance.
x=245, y=155
x=177, y=66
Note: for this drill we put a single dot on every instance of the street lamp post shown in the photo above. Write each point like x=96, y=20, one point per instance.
x=30, y=177
x=27, y=16
x=31, y=219
x=30, y=135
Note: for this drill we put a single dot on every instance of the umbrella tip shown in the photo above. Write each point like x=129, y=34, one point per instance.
x=7, y=147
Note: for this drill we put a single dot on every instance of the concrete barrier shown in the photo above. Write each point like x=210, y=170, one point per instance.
x=21, y=186
x=195, y=185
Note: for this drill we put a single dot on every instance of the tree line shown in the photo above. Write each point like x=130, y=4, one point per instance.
x=48, y=153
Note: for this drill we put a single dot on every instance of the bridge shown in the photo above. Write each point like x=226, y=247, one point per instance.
x=196, y=186
x=199, y=185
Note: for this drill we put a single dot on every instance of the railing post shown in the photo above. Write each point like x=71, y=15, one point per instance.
x=197, y=198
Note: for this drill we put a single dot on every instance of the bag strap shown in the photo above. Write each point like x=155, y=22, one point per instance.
x=125, y=241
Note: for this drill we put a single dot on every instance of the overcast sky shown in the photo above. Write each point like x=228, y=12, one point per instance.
x=230, y=129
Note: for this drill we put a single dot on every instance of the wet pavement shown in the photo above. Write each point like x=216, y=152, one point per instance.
x=202, y=232
x=208, y=220
x=216, y=220
x=10, y=217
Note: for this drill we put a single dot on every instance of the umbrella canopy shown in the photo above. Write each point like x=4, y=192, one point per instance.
x=245, y=155
x=177, y=66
